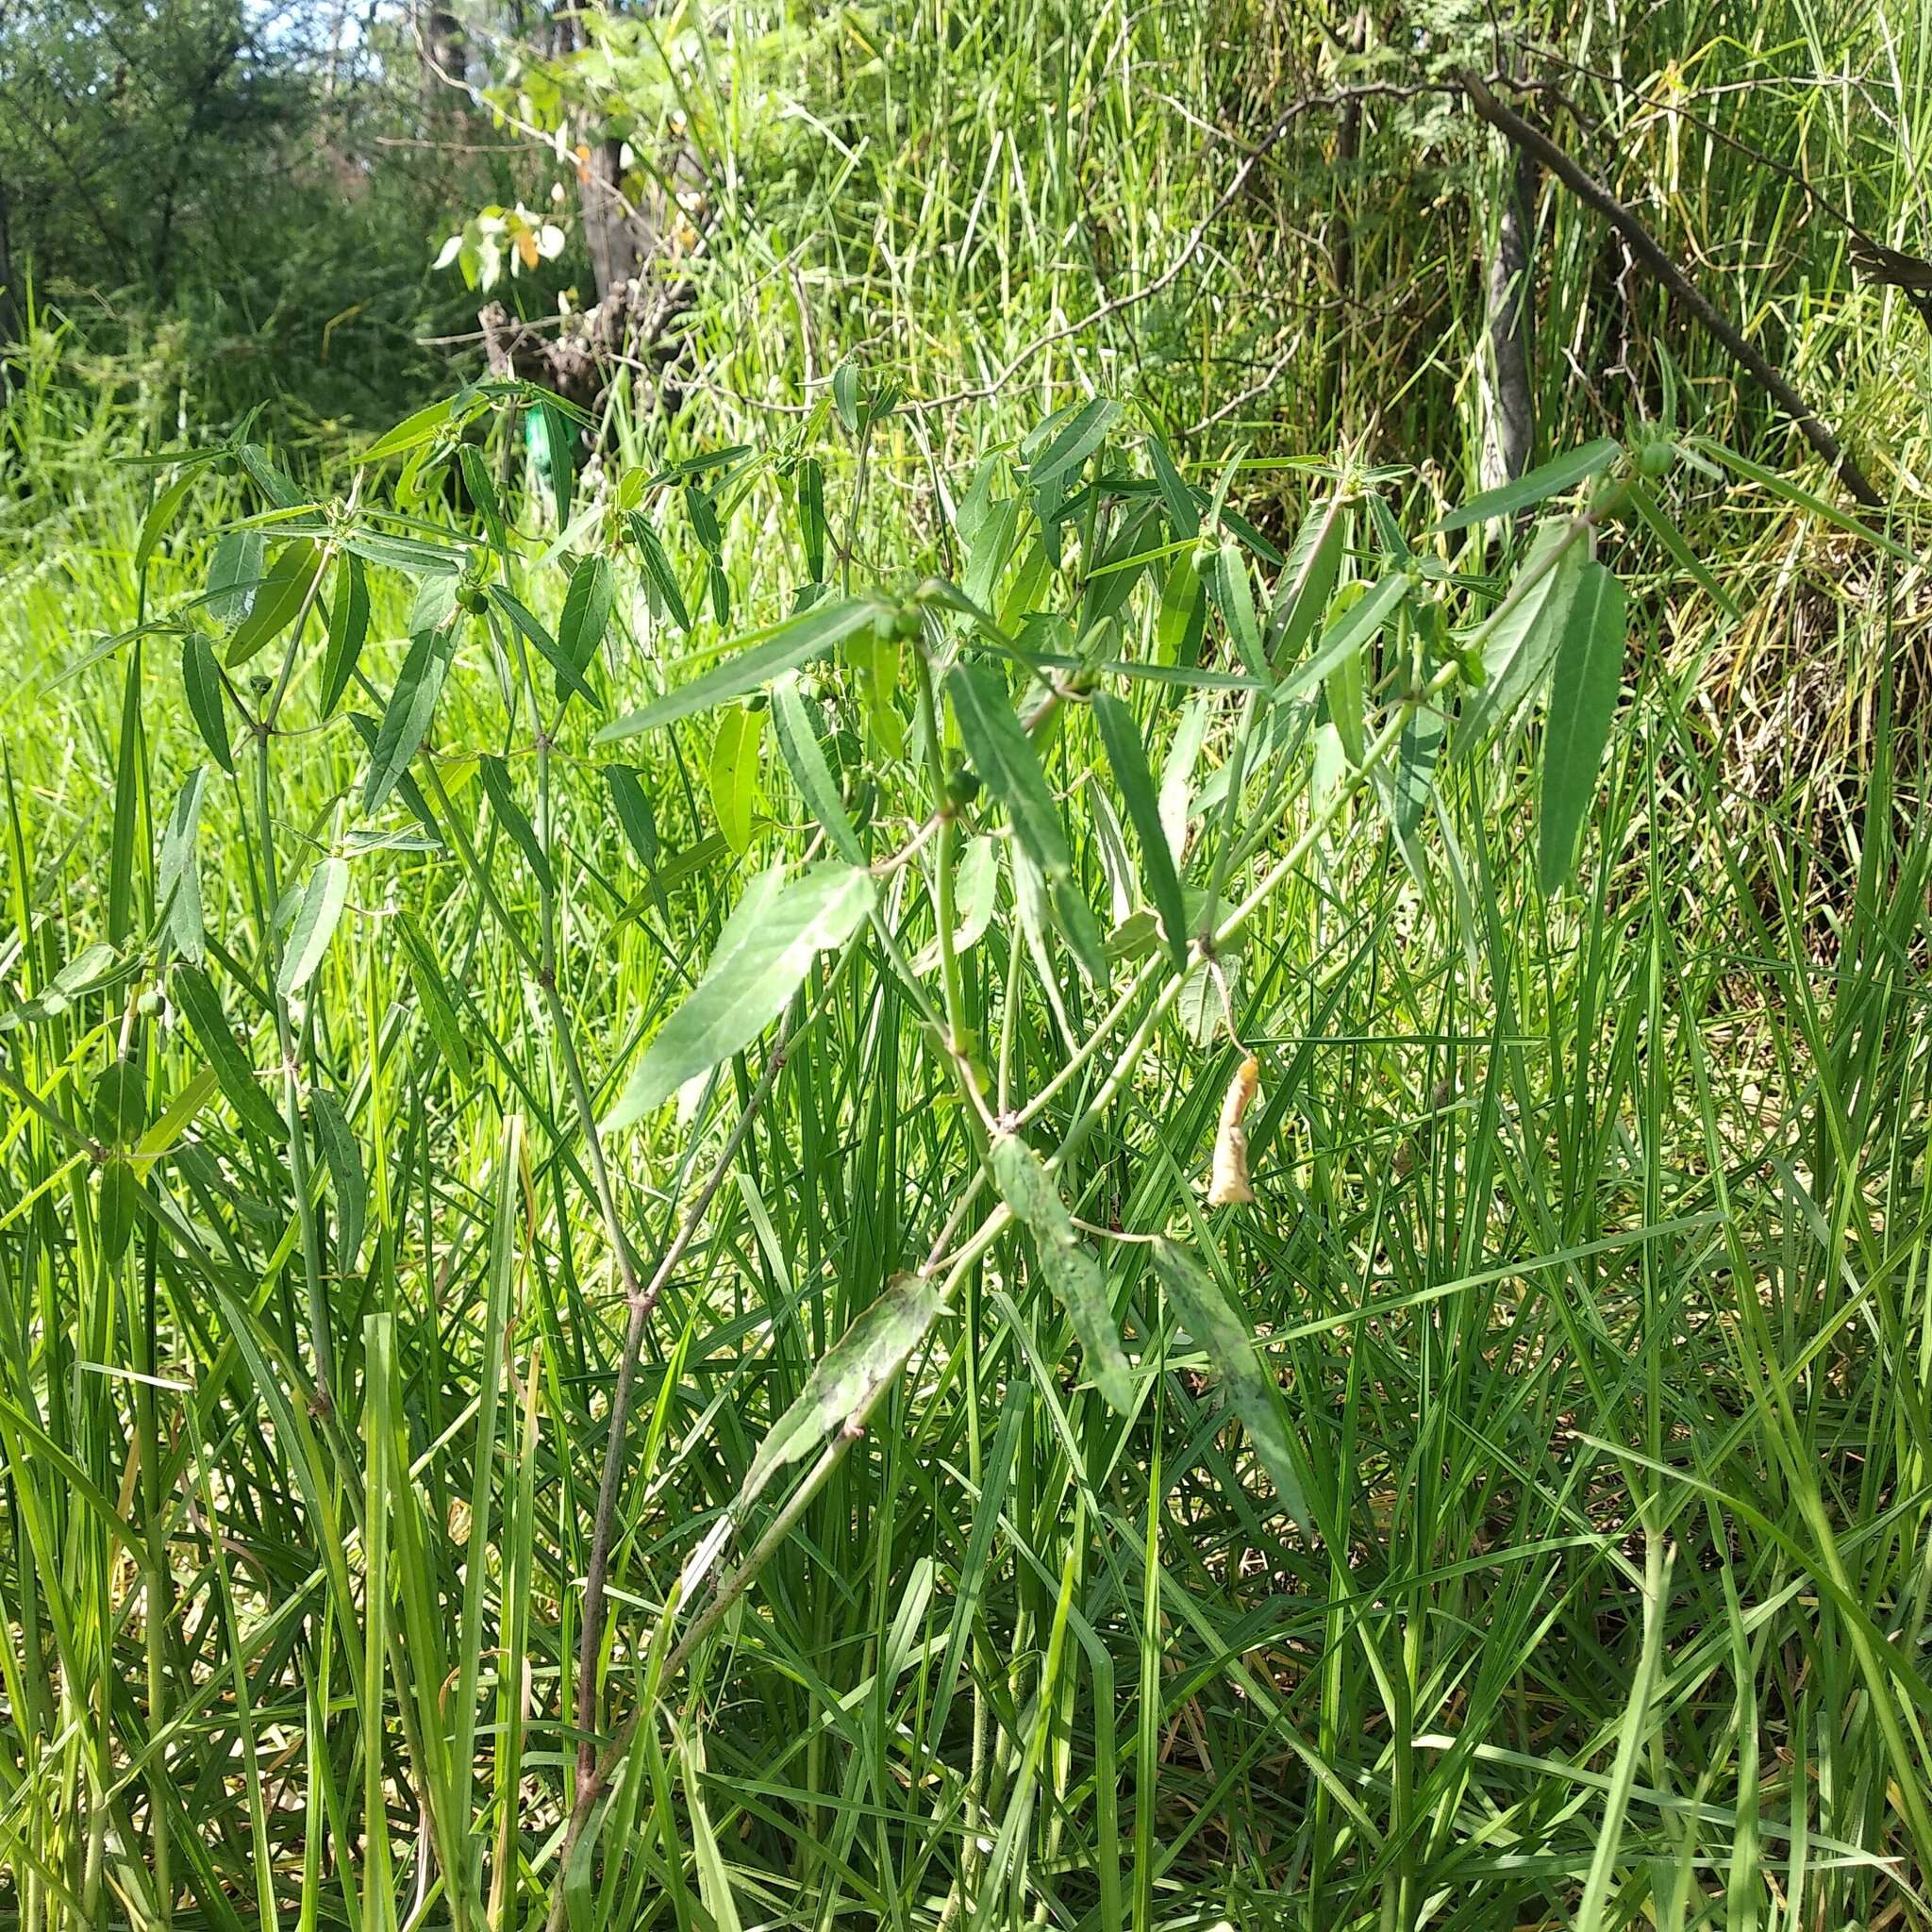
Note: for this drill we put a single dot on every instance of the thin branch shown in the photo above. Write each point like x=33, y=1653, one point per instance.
x=1650, y=253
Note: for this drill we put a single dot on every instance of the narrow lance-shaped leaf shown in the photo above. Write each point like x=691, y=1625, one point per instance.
x=494, y=775
x=1005, y=759
x=1351, y=632
x=411, y=705
x=1520, y=635
x=734, y=772
x=343, y=1159
x=798, y=744
x=1536, y=486
x=283, y=593
x=783, y=647
x=1083, y=432
x=1228, y=1341
x=1583, y=700
x=200, y=1005
x=762, y=956
x=160, y=519
x=867, y=1355
x=324, y=896
x=585, y=617
x=177, y=874
x=1234, y=593
x=532, y=632
x=1307, y=581
x=348, y=629
x=1069, y=1266
x=635, y=818
x=810, y=497
x=657, y=568
x=201, y=681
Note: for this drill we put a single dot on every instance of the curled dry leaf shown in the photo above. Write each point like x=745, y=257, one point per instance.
x=1227, y=1181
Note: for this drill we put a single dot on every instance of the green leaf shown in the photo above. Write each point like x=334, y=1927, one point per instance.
x=266, y=477
x=976, y=898
x=119, y=1208
x=1346, y=691
x=348, y=631
x=1069, y=1266
x=1349, y=633
x=177, y=876
x=199, y=1004
x=846, y=396
x=798, y=744
x=1004, y=758
x=1082, y=433
x=559, y=463
x=762, y=956
x=657, y=568
x=1583, y=700
x=1228, y=1341
x=1128, y=754
x=405, y=721
x=235, y=574
x=808, y=492
x=870, y=1352
x=1546, y=480
x=283, y=593
x=1234, y=593
x=410, y=433
x=324, y=896
x=633, y=809
x=734, y=774
x=1307, y=581
x=201, y=680
x=343, y=1159
x=439, y=1010
x=160, y=519
x=1805, y=499
x=1667, y=533
x=585, y=617
x=1519, y=637
x=783, y=646
x=494, y=775
x=547, y=647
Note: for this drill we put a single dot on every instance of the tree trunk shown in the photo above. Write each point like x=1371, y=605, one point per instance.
x=1507, y=385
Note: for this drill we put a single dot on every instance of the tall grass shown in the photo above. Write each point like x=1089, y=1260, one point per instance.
x=1587, y=1256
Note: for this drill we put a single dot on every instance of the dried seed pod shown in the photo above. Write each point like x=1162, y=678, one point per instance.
x=1227, y=1182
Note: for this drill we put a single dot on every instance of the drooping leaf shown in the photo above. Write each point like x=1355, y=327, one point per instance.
x=1519, y=637
x=763, y=955
x=438, y=1010
x=1127, y=755
x=782, y=647
x=201, y=680
x=343, y=1159
x=809, y=495
x=657, y=568
x=734, y=772
x=1538, y=485
x=870, y=1352
x=1069, y=1266
x=528, y=627
x=405, y=720
x=632, y=806
x=494, y=775
x=1005, y=759
x=200, y=1005
x=976, y=898
x=348, y=629
x=177, y=874
x=1351, y=632
x=585, y=617
x=283, y=593
x=1307, y=581
x=1228, y=1343
x=1234, y=594
x=317, y=914
x=1583, y=700
x=799, y=746
x=160, y=519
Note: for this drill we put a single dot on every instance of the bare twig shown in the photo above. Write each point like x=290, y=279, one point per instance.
x=1650, y=253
